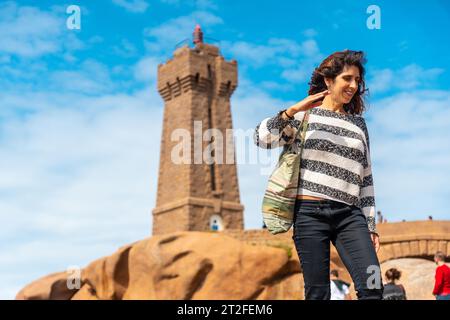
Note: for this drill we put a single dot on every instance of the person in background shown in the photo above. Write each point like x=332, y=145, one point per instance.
x=442, y=278
x=339, y=289
x=393, y=291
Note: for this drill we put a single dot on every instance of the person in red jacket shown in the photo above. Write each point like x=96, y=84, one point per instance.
x=442, y=283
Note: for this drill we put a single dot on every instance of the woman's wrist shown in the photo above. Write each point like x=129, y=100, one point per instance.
x=288, y=114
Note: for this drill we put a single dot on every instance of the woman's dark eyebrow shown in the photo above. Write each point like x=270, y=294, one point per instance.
x=349, y=75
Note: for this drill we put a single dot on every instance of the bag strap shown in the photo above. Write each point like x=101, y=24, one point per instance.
x=300, y=132
x=304, y=125
x=302, y=129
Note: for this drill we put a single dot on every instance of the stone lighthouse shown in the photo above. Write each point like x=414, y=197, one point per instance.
x=200, y=192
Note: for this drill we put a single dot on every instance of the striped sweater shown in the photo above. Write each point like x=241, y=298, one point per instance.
x=335, y=159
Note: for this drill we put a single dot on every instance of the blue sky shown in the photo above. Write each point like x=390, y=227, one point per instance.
x=80, y=118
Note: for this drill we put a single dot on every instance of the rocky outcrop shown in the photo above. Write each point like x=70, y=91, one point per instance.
x=53, y=287
x=182, y=265
x=212, y=265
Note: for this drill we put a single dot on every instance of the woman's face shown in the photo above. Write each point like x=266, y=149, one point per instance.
x=345, y=85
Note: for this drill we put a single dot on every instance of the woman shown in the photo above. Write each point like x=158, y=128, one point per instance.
x=335, y=200
x=393, y=291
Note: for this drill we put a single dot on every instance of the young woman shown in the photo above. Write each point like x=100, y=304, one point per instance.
x=392, y=290
x=335, y=201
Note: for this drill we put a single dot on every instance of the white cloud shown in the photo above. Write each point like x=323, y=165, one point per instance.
x=311, y=57
x=24, y=71
x=409, y=77
x=135, y=6
x=88, y=76
x=409, y=138
x=146, y=69
x=381, y=80
x=273, y=85
x=298, y=58
x=310, y=48
x=92, y=78
x=28, y=31
x=126, y=49
x=287, y=62
x=4, y=59
x=257, y=55
x=95, y=39
x=310, y=33
x=78, y=173
x=403, y=45
x=78, y=167
x=303, y=71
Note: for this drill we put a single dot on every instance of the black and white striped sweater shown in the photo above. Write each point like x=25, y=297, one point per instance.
x=336, y=156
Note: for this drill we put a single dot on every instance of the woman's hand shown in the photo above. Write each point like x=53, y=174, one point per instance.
x=375, y=241
x=309, y=102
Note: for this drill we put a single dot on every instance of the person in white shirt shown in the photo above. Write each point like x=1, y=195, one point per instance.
x=339, y=289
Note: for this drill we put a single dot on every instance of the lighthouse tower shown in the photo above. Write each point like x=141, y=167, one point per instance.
x=199, y=193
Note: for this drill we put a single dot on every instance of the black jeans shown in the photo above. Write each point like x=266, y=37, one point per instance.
x=316, y=223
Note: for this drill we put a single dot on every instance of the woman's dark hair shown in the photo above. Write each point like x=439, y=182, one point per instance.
x=393, y=274
x=331, y=67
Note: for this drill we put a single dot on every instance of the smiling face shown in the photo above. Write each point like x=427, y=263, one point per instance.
x=345, y=85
